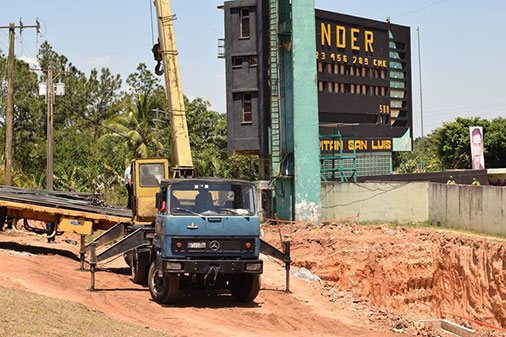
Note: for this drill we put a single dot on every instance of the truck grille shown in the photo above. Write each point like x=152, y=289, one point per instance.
x=213, y=245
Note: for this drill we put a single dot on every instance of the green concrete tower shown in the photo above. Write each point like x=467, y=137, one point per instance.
x=298, y=181
x=305, y=113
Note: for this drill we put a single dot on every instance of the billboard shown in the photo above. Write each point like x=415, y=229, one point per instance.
x=364, y=76
x=476, y=137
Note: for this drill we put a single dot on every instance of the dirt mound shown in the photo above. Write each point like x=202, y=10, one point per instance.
x=420, y=273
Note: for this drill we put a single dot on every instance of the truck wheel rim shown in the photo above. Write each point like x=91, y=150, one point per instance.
x=158, y=284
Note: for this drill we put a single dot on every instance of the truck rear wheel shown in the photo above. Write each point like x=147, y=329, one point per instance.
x=245, y=287
x=139, y=272
x=164, y=289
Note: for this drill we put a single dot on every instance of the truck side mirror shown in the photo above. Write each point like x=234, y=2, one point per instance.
x=160, y=198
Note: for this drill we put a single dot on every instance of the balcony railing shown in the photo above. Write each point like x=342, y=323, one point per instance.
x=221, y=48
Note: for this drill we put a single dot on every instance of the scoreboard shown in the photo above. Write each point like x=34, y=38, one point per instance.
x=364, y=78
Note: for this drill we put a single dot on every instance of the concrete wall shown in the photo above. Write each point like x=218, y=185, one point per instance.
x=481, y=209
x=390, y=202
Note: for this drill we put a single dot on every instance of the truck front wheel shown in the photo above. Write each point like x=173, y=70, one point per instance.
x=245, y=287
x=165, y=288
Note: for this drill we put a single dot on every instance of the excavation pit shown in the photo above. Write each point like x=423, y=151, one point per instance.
x=418, y=273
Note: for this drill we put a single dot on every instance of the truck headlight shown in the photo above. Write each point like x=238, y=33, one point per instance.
x=174, y=266
x=253, y=266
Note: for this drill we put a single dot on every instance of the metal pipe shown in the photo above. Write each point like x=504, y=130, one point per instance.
x=420, y=77
x=287, y=265
x=93, y=264
x=82, y=252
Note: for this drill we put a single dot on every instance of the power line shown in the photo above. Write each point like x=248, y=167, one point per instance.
x=469, y=107
x=401, y=15
x=419, y=9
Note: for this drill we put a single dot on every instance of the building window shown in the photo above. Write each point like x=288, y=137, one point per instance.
x=247, y=115
x=236, y=62
x=244, y=23
x=253, y=61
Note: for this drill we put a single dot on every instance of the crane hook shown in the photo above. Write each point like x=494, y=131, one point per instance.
x=157, y=54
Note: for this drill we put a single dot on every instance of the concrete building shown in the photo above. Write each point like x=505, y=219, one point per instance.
x=322, y=95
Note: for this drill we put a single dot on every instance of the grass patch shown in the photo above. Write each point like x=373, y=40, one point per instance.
x=424, y=224
x=27, y=314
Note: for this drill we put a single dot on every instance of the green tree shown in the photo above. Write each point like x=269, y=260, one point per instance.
x=135, y=127
x=421, y=159
x=451, y=142
x=102, y=97
x=29, y=119
x=495, y=143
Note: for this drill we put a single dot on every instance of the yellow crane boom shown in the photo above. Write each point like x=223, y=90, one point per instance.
x=182, y=164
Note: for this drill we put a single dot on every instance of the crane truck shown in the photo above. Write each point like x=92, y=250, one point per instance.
x=186, y=232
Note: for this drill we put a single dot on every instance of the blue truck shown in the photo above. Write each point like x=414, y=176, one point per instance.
x=207, y=235
x=189, y=234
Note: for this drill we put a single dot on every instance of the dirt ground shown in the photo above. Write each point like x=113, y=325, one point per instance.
x=375, y=281
x=29, y=263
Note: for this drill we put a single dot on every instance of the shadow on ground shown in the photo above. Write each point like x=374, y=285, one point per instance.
x=38, y=250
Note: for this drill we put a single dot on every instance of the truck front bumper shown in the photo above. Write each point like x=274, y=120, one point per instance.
x=203, y=266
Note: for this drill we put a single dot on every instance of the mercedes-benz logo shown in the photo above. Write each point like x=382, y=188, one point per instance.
x=214, y=246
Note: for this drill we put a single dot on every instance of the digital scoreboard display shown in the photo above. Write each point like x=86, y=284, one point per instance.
x=364, y=78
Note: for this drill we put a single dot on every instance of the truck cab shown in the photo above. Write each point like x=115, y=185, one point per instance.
x=206, y=235
x=147, y=175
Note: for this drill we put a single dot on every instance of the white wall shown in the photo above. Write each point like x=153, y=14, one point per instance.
x=477, y=208
x=392, y=201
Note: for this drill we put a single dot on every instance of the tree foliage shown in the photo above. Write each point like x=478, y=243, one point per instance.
x=452, y=142
x=99, y=128
x=448, y=147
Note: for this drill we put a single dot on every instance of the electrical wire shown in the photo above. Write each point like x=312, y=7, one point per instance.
x=419, y=9
x=501, y=104
x=399, y=16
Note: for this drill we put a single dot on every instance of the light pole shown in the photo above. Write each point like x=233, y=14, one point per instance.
x=420, y=77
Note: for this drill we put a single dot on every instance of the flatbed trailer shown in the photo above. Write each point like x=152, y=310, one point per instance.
x=82, y=213
x=70, y=212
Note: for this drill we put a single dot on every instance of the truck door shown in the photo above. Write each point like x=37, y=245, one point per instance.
x=148, y=174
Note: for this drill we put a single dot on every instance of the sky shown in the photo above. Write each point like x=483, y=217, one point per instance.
x=462, y=45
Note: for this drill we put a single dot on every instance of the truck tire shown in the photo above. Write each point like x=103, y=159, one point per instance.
x=245, y=287
x=163, y=290
x=139, y=273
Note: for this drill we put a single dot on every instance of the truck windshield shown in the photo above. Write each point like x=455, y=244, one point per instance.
x=212, y=199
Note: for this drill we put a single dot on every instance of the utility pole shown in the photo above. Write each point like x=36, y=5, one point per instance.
x=420, y=76
x=50, y=141
x=50, y=98
x=10, y=108
x=10, y=98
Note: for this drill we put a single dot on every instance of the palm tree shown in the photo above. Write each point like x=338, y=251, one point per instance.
x=135, y=127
